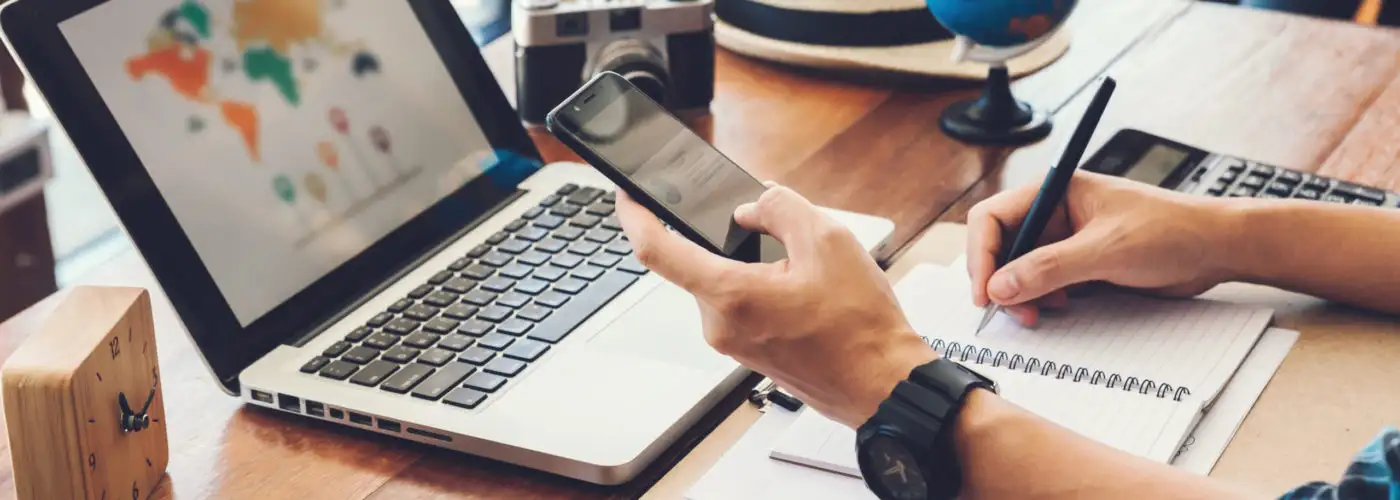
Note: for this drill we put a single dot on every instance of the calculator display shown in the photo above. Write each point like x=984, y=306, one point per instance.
x=1156, y=165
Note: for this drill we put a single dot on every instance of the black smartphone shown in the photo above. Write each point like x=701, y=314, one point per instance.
x=661, y=163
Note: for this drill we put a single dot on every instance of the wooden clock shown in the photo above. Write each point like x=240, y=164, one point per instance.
x=83, y=404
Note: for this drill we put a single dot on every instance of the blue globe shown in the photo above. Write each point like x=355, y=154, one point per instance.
x=1001, y=23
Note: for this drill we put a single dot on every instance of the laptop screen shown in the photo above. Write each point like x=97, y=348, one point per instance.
x=286, y=136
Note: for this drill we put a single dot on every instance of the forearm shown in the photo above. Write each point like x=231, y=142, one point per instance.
x=1338, y=252
x=1007, y=452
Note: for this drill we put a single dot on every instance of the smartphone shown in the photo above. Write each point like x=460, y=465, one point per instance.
x=660, y=163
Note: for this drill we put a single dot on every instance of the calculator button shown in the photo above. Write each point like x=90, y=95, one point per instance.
x=1281, y=189
x=1254, y=181
x=1264, y=170
x=1229, y=176
x=1233, y=165
x=1218, y=189
x=1308, y=193
x=1243, y=192
x=1336, y=198
x=1290, y=176
x=1365, y=202
x=1270, y=196
x=1318, y=183
x=1358, y=191
x=1199, y=173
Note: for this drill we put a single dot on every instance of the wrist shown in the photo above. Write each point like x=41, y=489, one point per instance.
x=1243, y=229
x=904, y=352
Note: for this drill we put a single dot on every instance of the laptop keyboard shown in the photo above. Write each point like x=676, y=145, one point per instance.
x=463, y=335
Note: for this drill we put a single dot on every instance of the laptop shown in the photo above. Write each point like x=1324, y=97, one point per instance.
x=345, y=212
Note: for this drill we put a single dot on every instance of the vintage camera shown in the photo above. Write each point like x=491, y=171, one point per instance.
x=664, y=47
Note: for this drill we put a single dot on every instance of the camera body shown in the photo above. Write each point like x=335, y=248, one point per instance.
x=664, y=47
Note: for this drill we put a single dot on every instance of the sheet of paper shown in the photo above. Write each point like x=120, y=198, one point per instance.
x=1143, y=425
x=1197, y=344
x=1207, y=443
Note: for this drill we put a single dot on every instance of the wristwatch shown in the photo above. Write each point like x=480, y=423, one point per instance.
x=906, y=449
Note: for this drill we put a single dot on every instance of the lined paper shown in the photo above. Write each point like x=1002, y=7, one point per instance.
x=1194, y=343
x=1145, y=426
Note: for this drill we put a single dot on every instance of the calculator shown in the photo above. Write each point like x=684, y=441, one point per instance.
x=1143, y=157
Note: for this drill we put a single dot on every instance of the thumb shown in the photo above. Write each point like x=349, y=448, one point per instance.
x=1045, y=270
x=783, y=214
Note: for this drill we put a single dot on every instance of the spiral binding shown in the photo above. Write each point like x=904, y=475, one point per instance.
x=968, y=353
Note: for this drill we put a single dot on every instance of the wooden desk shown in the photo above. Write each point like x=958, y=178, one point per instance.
x=864, y=146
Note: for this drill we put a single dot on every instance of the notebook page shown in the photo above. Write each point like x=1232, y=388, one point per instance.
x=1195, y=343
x=1146, y=426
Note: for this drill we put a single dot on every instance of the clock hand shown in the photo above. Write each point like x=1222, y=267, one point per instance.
x=121, y=401
x=149, y=398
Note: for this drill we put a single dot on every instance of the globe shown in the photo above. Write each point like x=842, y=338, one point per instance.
x=1001, y=23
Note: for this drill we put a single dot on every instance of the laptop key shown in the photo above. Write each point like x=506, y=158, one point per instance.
x=338, y=370
x=514, y=246
x=631, y=265
x=459, y=311
x=475, y=328
x=400, y=305
x=568, y=234
x=405, y=379
x=584, y=248
x=380, y=319
x=441, y=325
x=532, y=234
x=497, y=238
x=381, y=340
x=531, y=286
x=477, y=355
x=618, y=247
x=552, y=299
x=421, y=312
x=551, y=245
x=533, y=258
x=484, y=382
x=571, y=286
x=440, y=277
x=527, y=350
x=551, y=200
x=400, y=354
x=585, y=195
x=600, y=235
x=437, y=357
x=549, y=221
x=513, y=300
x=336, y=349
x=478, y=272
x=534, y=312
x=315, y=364
x=550, y=273
x=605, y=260
x=585, y=221
x=495, y=259
x=601, y=209
x=588, y=272
x=421, y=340
x=401, y=326
x=374, y=373
x=459, y=285
x=494, y=314
x=566, y=261
x=516, y=271
x=497, y=284
x=459, y=264
x=532, y=213
x=455, y=342
x=478, y=251
x=504, y=367
x=565, y=210
x=463, y=397
x=580, y=307
x=421, y=291
x=445, y=379
x=514, y=327
x=360, y=355
x=612, y=223
x=567, y=189
x=495, y=341
x=516, y=224
x=358, y=334
x=440, y=298
x=610, y=197
x=478, y=297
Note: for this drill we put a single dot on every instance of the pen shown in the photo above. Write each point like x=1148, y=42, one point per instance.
x=1052, y=191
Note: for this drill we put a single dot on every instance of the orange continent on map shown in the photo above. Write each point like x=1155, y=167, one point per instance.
x=185, y=67
x=243, y=117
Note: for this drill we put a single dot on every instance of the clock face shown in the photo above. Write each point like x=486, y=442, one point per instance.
x=895, y=469
x=121, y=417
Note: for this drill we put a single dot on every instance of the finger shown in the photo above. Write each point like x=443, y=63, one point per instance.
x=669, y=254
x=990, y=223
x=1058, y=299
x=783, y=214
x=1046, y=269
x=1026, y=315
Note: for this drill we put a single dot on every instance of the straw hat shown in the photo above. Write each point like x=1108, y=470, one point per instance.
x=859, y=35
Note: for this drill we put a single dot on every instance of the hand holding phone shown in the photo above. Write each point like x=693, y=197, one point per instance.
x=661, y=164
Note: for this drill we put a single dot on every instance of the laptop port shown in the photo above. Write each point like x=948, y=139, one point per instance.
x=337, y=414
x=315, y=409
x=429, y=434
x=262, y=397
x=389, y=425
x=365, y=420
x=289, y=403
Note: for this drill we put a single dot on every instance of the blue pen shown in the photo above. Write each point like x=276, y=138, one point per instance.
x=1052, y=191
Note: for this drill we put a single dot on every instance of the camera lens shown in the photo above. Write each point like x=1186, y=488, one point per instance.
x=574, y=24
x=639, y=63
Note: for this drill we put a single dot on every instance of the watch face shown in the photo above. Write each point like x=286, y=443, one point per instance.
x=890, y=466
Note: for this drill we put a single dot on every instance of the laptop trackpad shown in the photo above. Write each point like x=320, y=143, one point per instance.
x=664, y=326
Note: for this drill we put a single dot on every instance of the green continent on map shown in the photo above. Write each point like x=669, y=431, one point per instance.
x=263, y=63
x=197, y=15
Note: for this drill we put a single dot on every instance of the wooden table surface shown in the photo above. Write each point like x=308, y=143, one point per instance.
x=1302, y=93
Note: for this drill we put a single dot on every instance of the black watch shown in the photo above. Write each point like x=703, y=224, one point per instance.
x=906, y=449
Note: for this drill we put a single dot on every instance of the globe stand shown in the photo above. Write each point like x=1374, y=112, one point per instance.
x=996, y=117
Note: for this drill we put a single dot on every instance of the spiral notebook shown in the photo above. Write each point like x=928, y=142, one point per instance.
x=1132, y=372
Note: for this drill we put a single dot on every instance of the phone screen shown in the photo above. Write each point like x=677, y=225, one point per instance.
x=662, y=157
